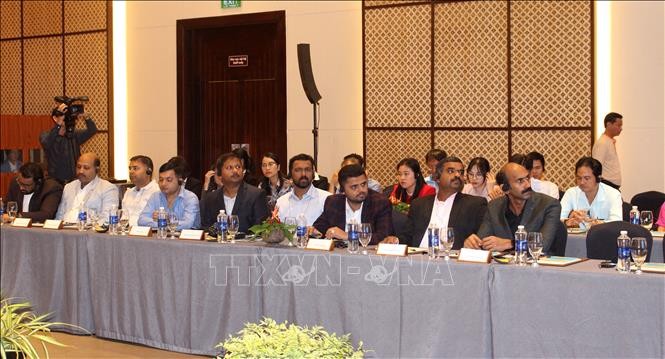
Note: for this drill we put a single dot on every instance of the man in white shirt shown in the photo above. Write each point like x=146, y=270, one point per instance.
x=605, y=151
x=305, y=198
x=535, y=164
x=87, y=191
x=135, y=198
x=591, y=201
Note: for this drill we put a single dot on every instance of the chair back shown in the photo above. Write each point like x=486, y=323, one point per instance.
x=649, y=201
x=601, y=240
x=558, y=247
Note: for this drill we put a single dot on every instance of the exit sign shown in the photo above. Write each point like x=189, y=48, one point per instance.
x=230, y=3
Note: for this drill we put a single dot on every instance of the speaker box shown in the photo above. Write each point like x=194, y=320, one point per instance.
x=306, y=76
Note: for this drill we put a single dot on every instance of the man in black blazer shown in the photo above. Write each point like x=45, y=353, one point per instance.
x=44, y=193
x=449, y=208
x=236, y=197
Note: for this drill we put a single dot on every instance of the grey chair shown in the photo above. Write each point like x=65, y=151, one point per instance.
x=601, y=240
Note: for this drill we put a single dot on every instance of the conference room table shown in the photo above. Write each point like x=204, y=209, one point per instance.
x=188, y=296
x=576, y=246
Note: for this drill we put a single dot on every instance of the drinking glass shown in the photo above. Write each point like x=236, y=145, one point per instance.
x=447, y=242
x=12, y=210
x=535, y=243
x=639, y=251
x=291, y=226
x=586, y=221
x=646, y=219
x=353, y=230
x=365, y=236
x=92, y=219
x=233, y=225
x=172, y=224
x=123, y=221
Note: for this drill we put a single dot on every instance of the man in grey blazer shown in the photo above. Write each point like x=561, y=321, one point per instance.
x=449, y=208
x=520, y=206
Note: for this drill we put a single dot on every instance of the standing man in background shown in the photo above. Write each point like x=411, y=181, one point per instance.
x=605, y=151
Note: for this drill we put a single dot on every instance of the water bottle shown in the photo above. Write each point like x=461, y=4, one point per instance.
x=433, y=242
x=623, y=252
x=113, y=220
x=635, y=216
x=301, y=231
x=354, y=237
x=82, y=219
x=161, y=223
x=521, y=246
x=222, y=226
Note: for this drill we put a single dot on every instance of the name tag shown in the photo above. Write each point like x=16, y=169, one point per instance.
x=196, y=234
x=53, y=224
x=140, y=231
x=320, y=244
x=22, y=222
x=474, y=255
x=386, y=249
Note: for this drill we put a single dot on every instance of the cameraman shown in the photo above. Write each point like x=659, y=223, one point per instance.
x=62, y=147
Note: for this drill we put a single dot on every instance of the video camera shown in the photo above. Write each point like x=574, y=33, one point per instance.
x=74, y=108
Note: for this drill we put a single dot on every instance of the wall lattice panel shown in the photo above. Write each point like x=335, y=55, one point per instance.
x=42, y=18
x=85, y=15
x=470, y=64
x=392, y=146
x=10, y=77
x=99, y=145
x=42, y=66
x=397, y=66
x=466, y=145
x=10, y=13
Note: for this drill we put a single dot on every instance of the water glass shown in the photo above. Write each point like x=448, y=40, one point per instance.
x=92, y=219
x=639, y=251
x=233, y=225
x=365, y=236
x=291, y=224
x=646, y=219
x=446, y=243
x=535, y=243
x=123, y=221
x=12, y=210
x=353, y=235
x=172, y=224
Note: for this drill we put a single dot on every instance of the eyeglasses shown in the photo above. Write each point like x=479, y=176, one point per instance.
x=269, y=164
x=475, y=175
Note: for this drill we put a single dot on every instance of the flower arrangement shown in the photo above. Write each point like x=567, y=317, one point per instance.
x=273, y=227
x=398, y=205
x=268, y=339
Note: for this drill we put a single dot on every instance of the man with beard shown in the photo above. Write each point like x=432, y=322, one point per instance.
x=537, y=212
x=305, y=198
x=449, y=208
x=37, y=197
x=356, y=203
x=87, y=191
x=235, y=197
x=135, y=198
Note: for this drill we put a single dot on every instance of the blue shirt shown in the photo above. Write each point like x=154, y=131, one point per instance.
x=186, y=208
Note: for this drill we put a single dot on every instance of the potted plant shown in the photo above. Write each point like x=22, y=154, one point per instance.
x=398, y=205
x=20, y=328
x=272, y=230
x=268, y=339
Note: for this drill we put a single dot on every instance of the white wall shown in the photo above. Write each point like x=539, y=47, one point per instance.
x=334, y=30
x=638, y=93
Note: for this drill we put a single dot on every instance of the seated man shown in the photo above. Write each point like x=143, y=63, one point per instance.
x=535, y=164
x=590, y=201
x=37, y=197
x=356, y=203
x=433, y=157
x=174, y=198
x=353, y=159
x=87, y=191
x=450, y=208
x=235, y=197
x=305, y=198
x=520, y=206
x=135, y=198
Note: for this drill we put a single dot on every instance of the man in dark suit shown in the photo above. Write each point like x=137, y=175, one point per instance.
x=358, y=203
x=43, y=195
x=449, y=208
x=520, y=206
x=236, y=197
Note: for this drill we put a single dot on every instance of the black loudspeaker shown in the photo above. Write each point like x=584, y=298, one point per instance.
x=306, y=76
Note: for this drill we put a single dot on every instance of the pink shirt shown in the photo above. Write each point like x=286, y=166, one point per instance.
x=661, y=216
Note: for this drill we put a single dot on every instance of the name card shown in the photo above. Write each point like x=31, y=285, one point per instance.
x=53, y=224
x=22, y=222
x=196, y=234
x=320, y=244
x=386, y=249
x=474, y=255
x=140, y=231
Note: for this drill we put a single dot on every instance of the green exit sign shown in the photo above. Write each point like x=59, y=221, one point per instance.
x=230, y=3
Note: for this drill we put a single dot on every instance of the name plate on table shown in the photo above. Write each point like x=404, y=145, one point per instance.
x=474, y=255
x=53, y=224
x=320, y=244
x=386, y=249
x=196, y=234
x=140, y=231
x=22, y=222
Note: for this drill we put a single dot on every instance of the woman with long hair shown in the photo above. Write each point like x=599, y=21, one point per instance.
x=273, y=182
x=411, y=183
x=478, y=182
